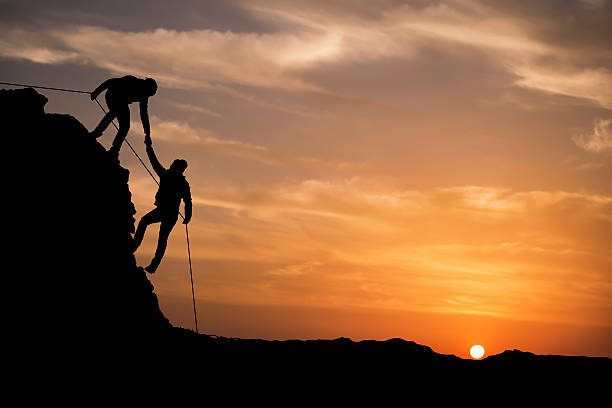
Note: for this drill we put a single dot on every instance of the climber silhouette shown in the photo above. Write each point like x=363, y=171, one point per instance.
x=120, y=92
x=172, y=188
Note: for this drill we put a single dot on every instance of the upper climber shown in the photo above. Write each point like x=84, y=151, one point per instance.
x=120, y=92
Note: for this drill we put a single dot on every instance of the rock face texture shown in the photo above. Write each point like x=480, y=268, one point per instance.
x=75, y=221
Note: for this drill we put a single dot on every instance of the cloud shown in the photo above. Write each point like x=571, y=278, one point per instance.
x=190, y=59
x=357, y=201
x=590, y=84
x=35, y=46
x=573, y=68
x=597, y=140
x=196, y=109
x=354, y=242
x=591, y=165
x=183, y=133
x=303, y=38
x=297, y=269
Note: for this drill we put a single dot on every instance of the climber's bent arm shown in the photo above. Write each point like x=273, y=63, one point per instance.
x=103, y=86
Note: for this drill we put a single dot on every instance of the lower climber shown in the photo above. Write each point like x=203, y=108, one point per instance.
x=173, y=187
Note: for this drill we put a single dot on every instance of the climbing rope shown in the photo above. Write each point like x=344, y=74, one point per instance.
x=195, y=316
x=45, y=87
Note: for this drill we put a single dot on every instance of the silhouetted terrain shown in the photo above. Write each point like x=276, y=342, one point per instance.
x=78, y=288
x=74, y=211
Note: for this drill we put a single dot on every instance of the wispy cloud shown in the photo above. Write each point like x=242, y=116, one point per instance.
x=591, y=165
x=402, y=31
x=590, y=84
x=467, y=249
x=191, y=59
x=182, y=133
x=598, y=139
x=308, y=38
x=296, y=270
x=196, y=109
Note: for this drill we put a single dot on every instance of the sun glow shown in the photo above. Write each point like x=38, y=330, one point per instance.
x=477, y=351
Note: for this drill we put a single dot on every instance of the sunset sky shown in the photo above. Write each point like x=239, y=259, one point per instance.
x=439, y=171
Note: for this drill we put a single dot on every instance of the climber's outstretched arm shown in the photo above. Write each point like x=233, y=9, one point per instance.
x=144, y=116
x=159, y=169
x=103, y=86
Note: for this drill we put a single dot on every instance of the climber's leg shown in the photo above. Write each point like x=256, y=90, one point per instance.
x=151, y=217
x=165, y=228
x=123, y=116
x=106, y=120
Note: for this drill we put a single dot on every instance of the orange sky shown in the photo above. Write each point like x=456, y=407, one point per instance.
x=436, y=171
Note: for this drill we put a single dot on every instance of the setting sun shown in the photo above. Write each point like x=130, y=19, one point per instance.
x=477, y=351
